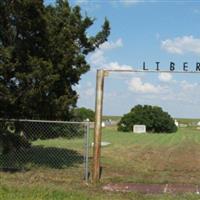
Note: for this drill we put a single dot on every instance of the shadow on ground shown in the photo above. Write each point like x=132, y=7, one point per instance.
x=50, y=157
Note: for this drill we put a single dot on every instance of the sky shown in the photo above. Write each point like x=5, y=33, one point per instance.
x=144, y=31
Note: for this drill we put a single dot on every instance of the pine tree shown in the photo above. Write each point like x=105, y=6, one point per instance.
x=42, y=56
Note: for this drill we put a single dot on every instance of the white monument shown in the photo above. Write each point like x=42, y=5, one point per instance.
x=176, y=123
x=103, y=144
x=139, y=128
x=103, y=125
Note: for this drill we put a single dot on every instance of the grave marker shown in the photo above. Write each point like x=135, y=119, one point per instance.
x=139, y=129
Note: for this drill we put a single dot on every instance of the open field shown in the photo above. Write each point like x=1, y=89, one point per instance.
x=180, y=120
x=147, y=158
x=114, y=118
x=187, y=121
x=152, y=158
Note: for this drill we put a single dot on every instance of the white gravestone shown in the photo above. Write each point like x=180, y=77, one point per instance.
x=139, y=129
x=103, y=144
x=176, y=123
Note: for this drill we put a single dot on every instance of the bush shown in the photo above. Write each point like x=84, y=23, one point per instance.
x=155, y=119
x=81, y=114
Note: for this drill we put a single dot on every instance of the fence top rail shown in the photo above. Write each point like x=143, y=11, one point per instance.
x=43, y=121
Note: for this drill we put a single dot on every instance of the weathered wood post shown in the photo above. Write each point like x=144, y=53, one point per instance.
x=98, y=128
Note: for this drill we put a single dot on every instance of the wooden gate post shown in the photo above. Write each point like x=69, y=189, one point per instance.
x=98, y=128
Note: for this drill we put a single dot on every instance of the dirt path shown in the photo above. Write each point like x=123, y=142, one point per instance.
x=152, y=188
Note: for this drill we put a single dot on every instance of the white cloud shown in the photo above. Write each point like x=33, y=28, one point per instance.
x=98, y=58
x=181, y=45
x=117, y=66
x=136, y=85
x=86, y=92
x=89, y=84
x=88, y=5
x=130, y=2
x=165, y=77
x=78, y=86
x=112, y=45
x=111, y=95
x=126, y=3
x=186, y=86
x=89, y=92
x=180, y=92
x=82, y=1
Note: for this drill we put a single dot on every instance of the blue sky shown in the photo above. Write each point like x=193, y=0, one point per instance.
x=147, y=31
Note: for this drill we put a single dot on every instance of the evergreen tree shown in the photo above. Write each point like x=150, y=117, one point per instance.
x=43, y=53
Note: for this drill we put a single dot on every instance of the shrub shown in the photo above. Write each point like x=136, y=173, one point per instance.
x=155, y=119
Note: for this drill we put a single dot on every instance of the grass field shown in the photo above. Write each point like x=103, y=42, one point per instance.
x=146, y=158
x=114, y=118
x=152, y=158
x=187, y=121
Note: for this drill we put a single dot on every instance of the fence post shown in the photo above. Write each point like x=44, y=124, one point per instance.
x=97, y=128
x=86, y=156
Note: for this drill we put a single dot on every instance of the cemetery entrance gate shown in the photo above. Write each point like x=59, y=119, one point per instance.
x=101, y=74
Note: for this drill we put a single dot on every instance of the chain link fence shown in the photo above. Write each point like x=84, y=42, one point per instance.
x=31, y=144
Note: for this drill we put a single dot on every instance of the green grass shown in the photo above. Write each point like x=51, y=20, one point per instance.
x=187, y=121
x=152, y=158
x=81, y=194
x=115, y=118
x=144, y=158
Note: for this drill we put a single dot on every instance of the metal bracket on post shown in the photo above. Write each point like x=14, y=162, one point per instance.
x=98, y=129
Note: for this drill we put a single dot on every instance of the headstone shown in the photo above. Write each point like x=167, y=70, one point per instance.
x=176, y=123
x=103, y=143
x=183, y=125
x=139, y=129
x=103, y=125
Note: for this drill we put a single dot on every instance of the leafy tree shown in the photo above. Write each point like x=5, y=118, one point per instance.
x=42, y=56
x=43, y=53
x=155, y=119
x=81, y=114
